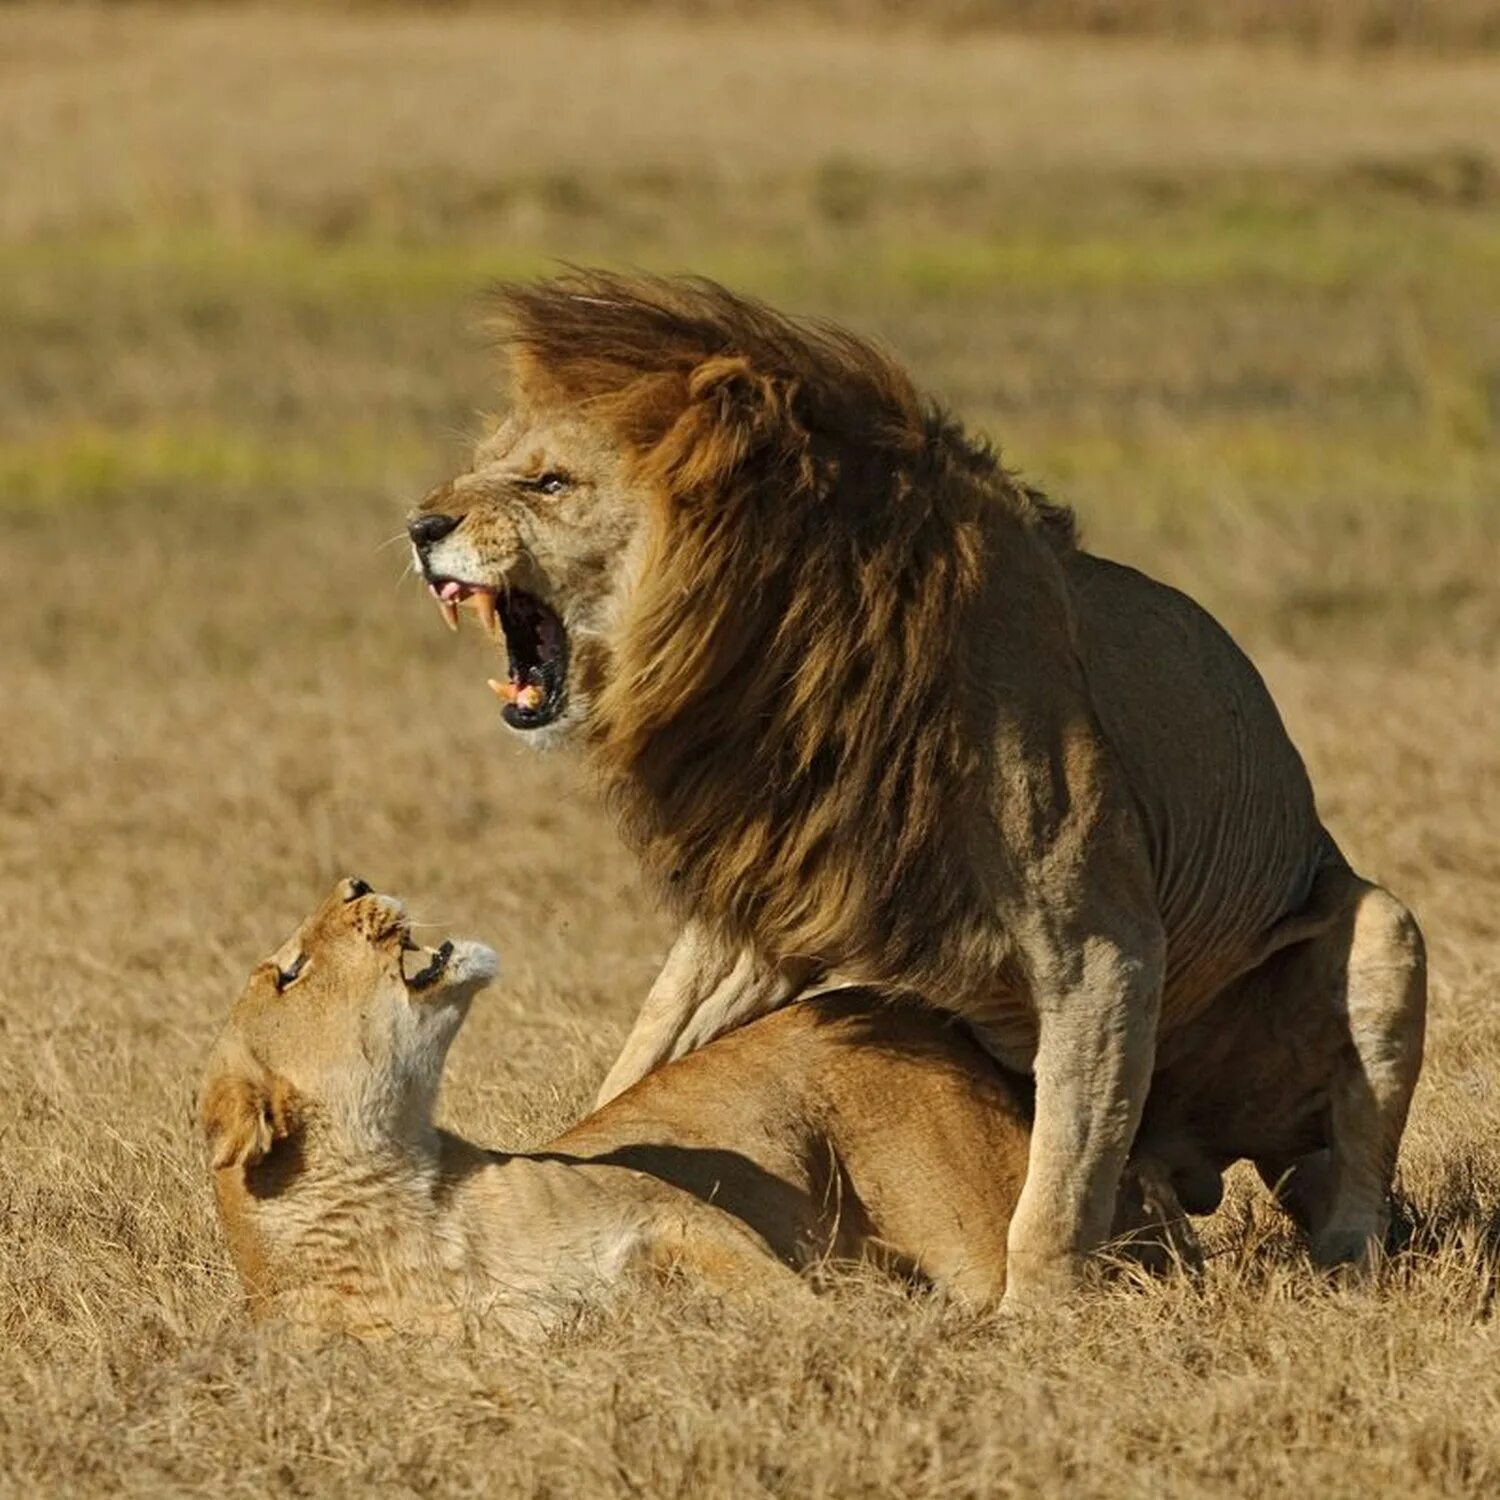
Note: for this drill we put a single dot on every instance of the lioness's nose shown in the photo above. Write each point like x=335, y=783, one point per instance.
x=425, y=530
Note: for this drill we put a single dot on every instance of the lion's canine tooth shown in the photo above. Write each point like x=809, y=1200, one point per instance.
x=500, y=689
x=449, y=613
x=484, y=607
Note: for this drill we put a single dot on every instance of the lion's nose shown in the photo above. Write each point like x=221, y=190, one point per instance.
x=427, y=529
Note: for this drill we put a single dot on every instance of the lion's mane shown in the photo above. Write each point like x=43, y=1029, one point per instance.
x=793, y=712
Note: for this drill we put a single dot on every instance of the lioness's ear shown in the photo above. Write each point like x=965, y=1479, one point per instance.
x=244, y=1111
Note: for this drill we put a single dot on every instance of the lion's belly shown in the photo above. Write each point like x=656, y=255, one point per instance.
x=1222, y=795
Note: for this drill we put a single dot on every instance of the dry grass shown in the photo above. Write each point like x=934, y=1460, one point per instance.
x=244, y=116
x=1230, y=302
x=1325, y=25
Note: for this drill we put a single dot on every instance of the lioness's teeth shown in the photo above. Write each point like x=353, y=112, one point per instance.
x=449, y=613
x=503, y=690
x=484, y=607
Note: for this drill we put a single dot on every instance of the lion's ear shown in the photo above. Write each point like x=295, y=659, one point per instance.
x=737, y=390
x=734, y=414
x=245, y=1110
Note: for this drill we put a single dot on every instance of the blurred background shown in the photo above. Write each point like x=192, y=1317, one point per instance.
x=1229, y=295
x=1226, y=277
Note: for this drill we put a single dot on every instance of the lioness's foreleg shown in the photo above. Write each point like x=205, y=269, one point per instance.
x=705, y=988
x=1096, y=1043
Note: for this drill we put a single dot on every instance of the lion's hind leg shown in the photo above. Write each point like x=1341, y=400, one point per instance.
x=1373, y=962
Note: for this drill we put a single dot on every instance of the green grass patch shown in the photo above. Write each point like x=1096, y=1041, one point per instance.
x=1259, y=462
x=91, y=465
x=1205, y=243
x=277, y=264
x=1255, y=462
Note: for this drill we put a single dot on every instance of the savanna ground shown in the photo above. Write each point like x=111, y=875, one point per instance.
x=1236, y=301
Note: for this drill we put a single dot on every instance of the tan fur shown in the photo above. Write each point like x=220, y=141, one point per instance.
x=861, y=702
x=772, y=1150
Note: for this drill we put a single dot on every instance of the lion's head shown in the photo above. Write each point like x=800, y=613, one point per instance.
x=348, y=1023
x=634, y=402
x=535, y=538
x=743, y=558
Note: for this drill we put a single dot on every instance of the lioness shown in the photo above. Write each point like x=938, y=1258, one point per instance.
x=345, y=1206
x=862, y=703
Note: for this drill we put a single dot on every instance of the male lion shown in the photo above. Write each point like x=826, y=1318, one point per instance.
x=768, y=1151
x=861, y=702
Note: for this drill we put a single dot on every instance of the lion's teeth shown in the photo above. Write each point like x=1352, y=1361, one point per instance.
x=484, y=607
x=531, y=696
x=501, y=690
x=449, y=613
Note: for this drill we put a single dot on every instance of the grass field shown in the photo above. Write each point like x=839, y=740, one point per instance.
x=1237, y=303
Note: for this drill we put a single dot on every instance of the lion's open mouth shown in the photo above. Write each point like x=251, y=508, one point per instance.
x=534, y=689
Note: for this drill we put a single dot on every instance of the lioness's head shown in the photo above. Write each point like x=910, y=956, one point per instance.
x=672, y=452
x=348, y=1023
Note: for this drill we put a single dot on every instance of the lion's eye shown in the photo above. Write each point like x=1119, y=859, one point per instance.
x=288, y=976
x=553, y=482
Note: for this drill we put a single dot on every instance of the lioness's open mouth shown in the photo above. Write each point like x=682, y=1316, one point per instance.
x=433, y=970
x=534, y=689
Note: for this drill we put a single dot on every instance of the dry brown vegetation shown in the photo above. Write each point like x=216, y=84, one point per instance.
x=1236, y=305
x=1318, y=24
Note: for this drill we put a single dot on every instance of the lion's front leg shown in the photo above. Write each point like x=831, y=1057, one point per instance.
x=705, y=988
x=1096, y=1045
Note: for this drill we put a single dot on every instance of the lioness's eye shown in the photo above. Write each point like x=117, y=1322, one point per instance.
x=288, y=976
x=553, y=482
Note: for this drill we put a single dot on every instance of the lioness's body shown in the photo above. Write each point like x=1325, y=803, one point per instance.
x=772, y=1150
x=839, y=1126
x=863, y=704
x=768, y=1152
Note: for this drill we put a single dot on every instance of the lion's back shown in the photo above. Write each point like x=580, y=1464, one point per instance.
x=1221, y=790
